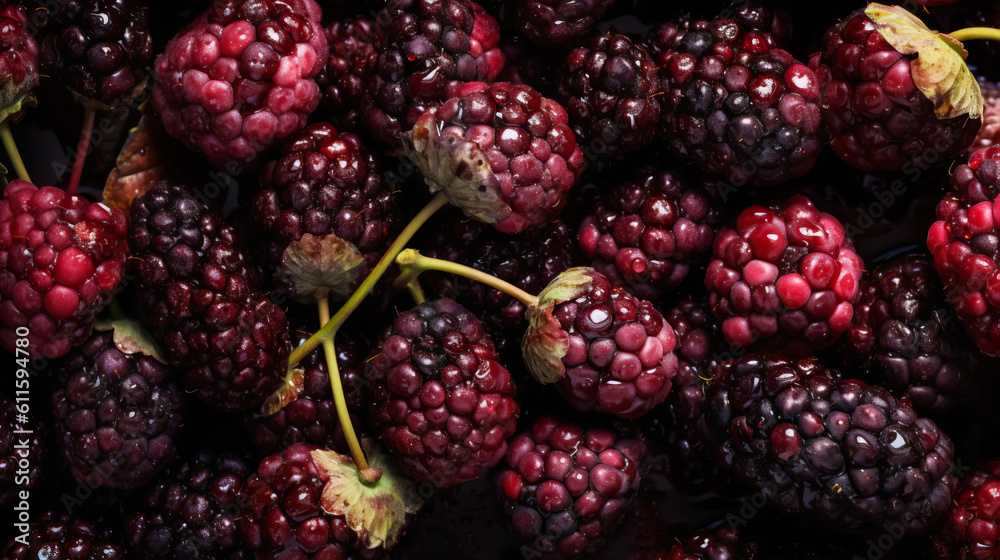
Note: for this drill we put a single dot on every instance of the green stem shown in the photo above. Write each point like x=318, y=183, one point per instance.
x=330, y=328
x=413, y=263
x=291, y=387
x=416, y=291
x=12, y=153
x=367, y=474
x=972, y=33
x=82, y=148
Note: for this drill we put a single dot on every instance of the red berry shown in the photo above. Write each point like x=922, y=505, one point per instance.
x=61, y=260
x=872, y=109
x=240, y=77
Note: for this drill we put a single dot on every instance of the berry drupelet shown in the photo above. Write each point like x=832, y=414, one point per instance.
x=326, y=183
x=99, y=48
x=61, y=260
x=969, y=530
x=191, y=513
x=876, y=115
x=18, y=60
x=201, y=295
x=605, y=349
x=735, y=102
x=501, y=152
x=646, y=234
x=422, y=47
x=57, y=535
x=836, y=449
x=555, y=23
x=567, y=487
x=785, y=276
x=610, y=91
x=440, y=397
x=117, y=414
x=965, y=243
x=240, y=78
x=904, y=337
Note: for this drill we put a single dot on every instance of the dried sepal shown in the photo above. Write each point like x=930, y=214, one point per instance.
x=939, y=70
x=545, y=343
x=376, y=512
x=458, y=168
x=132, y=338
x=144, y=160
x=316, y=267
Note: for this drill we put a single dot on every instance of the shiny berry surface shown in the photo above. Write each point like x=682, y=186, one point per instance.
x=620, y=357
x=421, y=48
x=785, y=277
x=240, y=77
x=527, y=142
x=836, y=449
x=117, y=415
x=61, y=260
x=965, y=243
x=650, y=233
x=440, y=396
x=876, y=116
x=567, y=487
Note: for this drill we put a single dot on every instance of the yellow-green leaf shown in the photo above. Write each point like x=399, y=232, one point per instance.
x=939, y=70
x=545, y=343
x=316, y=267
x=458, y=168
x=376, y=512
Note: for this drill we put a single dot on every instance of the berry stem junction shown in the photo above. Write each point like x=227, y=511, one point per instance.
x=366, y=473
x=329, y=329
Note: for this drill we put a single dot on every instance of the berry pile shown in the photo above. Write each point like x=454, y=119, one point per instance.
x=495, y=280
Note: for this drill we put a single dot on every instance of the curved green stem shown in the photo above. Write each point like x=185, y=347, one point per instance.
x=367, y=474
x=413, y=263
x=12, y=153
x=330, y=328
x=971, y=33
x=82, y=148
